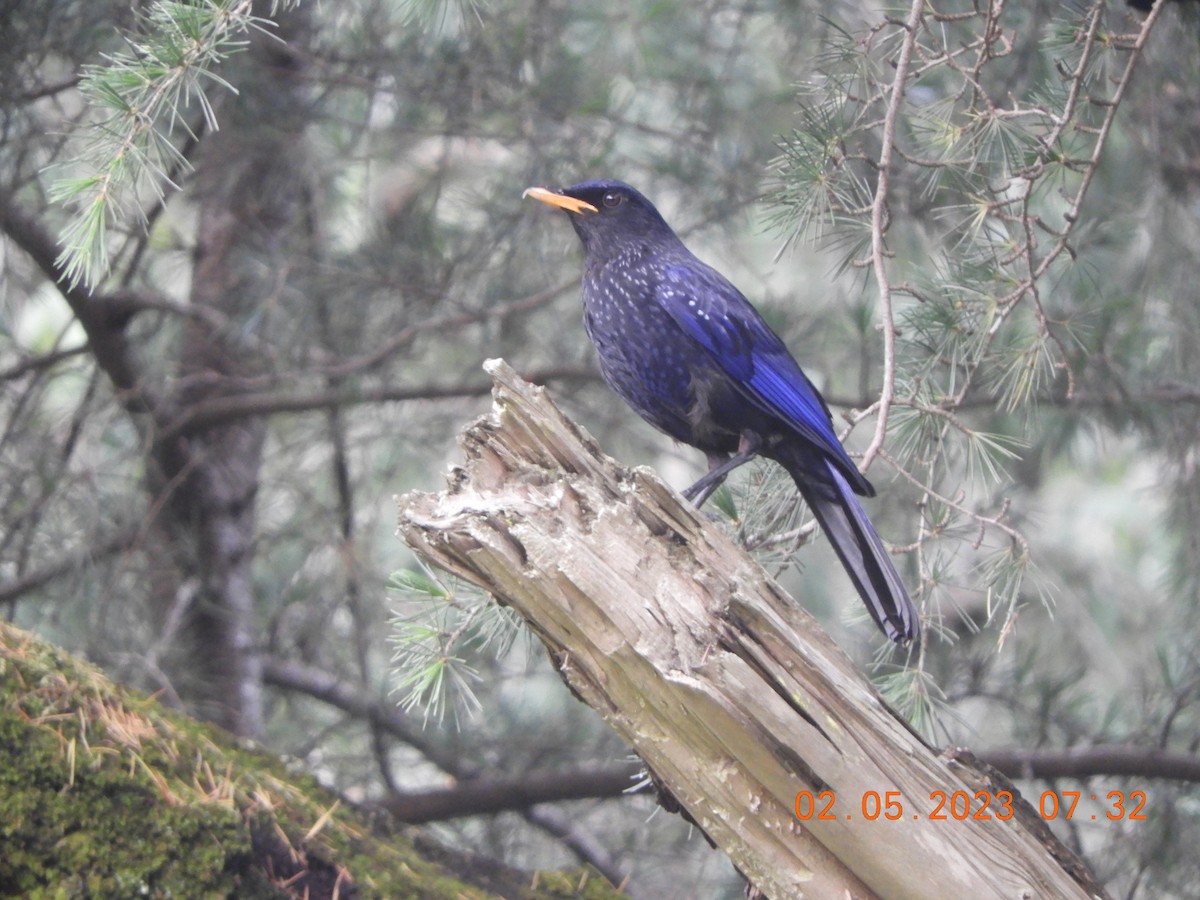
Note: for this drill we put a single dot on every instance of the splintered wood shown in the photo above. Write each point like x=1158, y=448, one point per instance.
x=743, y=710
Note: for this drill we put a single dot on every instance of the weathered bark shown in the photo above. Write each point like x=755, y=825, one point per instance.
x=727, y=689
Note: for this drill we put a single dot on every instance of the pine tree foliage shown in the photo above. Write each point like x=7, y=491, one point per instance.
x=992, y=160
x=142, y=100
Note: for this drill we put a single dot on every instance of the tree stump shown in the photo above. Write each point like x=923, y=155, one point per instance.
x=760, y=728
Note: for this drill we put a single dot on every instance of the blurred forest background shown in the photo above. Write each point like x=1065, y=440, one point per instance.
x=254, y=256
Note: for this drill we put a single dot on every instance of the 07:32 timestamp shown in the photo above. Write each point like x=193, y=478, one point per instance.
x=962, y=805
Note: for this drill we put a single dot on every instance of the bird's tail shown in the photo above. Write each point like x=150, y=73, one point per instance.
x=857, y=545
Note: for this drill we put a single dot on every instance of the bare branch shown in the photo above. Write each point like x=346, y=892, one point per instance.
x=385, y=717
x=103, y=316
x=322, y=685
x=225, y=408
x=1106, y=760
x=97, y=550
x=879, y=221
x=483, y=796
x=40, y=362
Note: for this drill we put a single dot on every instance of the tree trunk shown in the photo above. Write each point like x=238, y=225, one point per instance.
x=251, y=221
x=731, y=694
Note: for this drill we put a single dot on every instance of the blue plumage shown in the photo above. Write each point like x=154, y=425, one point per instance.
x=682, y=346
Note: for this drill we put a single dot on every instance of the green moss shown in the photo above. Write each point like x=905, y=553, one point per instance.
x=74, y=824
x=105, y=794
x=586, y=886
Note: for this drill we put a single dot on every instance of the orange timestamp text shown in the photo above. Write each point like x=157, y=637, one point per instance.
x=962, y=805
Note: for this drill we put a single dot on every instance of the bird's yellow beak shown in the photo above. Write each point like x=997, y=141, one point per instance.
x=562, y=201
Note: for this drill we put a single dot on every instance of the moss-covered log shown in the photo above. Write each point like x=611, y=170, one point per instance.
x=103, y=793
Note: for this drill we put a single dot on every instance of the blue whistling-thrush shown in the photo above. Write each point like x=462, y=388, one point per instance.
x=690, y=354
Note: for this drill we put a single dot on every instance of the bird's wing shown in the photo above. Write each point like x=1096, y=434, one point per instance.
x=714, y=313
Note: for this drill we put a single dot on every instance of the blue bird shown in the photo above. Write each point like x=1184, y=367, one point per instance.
x=683, y=347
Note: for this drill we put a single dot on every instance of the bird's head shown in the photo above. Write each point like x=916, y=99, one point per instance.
x=610, y=217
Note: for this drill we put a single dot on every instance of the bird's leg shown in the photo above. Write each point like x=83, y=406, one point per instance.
x=718, y=468
x=720, y=465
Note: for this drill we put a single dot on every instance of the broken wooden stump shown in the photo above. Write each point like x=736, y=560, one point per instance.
x=761, y=728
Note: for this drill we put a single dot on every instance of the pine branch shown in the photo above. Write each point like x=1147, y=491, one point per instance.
x=139, y=96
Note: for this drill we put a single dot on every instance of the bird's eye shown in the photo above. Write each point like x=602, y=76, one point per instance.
x=612, y=199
